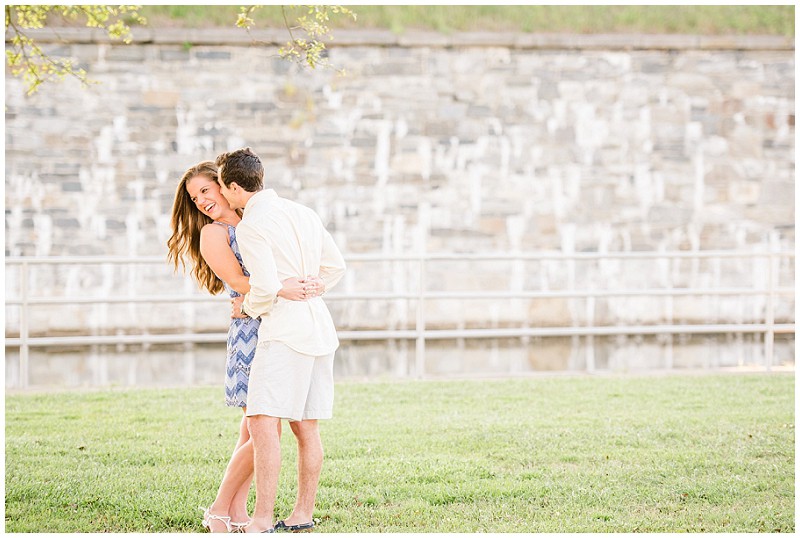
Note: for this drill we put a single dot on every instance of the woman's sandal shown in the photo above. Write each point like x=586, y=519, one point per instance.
x=239, y=527
x=208, y=517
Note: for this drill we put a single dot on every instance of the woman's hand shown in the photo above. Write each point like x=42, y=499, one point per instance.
x=293, y=289
x=314, y=286
x=301, y=289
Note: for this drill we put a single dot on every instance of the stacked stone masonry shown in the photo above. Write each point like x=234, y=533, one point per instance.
x=534, y=143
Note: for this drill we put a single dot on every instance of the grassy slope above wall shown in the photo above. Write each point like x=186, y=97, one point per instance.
x=713, y=20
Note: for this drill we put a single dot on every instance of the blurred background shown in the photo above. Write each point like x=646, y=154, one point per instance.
x=516, y=189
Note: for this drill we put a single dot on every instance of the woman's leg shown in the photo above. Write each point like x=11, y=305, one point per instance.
x=230, y=501
x=238, y=505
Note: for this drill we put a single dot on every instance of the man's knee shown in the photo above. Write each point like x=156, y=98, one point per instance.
x=307, y=433
x=263, y=425
x=304, y=427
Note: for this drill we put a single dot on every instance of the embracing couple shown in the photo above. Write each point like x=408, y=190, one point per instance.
x=275, y=259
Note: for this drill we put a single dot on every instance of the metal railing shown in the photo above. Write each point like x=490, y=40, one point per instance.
x=420, y=334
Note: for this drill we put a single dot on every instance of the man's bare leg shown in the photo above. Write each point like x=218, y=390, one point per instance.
x=309, y=467
x=267, y=464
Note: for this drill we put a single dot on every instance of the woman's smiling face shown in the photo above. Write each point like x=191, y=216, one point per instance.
x=204, y=193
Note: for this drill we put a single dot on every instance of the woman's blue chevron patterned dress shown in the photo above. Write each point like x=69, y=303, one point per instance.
x=242, y=340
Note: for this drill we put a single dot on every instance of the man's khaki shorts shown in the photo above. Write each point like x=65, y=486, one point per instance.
x=287, y=384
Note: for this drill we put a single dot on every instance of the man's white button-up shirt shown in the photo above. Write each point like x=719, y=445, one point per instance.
x=280, y=239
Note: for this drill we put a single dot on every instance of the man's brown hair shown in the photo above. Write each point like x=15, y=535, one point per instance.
x=242, y=167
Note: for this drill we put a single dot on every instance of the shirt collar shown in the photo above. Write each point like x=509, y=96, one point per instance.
x=266, y=194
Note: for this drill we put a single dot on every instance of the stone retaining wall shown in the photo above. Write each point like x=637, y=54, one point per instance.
x=474, y=142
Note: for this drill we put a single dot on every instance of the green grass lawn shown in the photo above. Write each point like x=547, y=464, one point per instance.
x=733, y=19
x=708, y=453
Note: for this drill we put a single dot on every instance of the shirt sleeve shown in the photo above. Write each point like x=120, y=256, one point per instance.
x=331, y=265
x=257, y=256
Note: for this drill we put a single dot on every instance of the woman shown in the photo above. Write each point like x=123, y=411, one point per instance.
x=204, y=232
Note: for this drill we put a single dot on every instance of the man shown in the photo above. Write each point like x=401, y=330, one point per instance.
x=292, y=373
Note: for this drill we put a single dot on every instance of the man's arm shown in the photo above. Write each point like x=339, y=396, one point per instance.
x=331, y=264
x=264, y=283
x=294, y=289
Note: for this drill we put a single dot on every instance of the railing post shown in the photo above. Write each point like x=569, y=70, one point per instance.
x=590, y=363
x=573, y=309
x=769, y=336
x=670, y=309
x=24, y=348
x=423, y=218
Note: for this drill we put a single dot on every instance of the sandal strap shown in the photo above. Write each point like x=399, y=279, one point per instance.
x=208, y=517
x=240, y=524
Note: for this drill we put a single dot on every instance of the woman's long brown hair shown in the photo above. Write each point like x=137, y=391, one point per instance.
x=187, y=221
